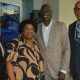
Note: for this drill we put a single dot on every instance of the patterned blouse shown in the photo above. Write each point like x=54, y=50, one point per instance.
x=27, y=61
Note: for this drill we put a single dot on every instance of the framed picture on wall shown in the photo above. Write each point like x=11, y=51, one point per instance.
x=9, y=21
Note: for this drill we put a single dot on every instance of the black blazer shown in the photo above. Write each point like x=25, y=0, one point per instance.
x=75, y=53
x=2, y=61
x=1, y=56
x=72, y=35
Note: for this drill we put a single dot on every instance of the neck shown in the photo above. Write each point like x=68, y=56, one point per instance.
x=78, y=20
x=30, y=42
x=46, y=23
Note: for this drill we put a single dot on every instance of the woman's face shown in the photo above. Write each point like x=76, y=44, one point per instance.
x=28, y=31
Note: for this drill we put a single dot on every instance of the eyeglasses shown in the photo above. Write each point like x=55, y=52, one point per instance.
x=76, y=8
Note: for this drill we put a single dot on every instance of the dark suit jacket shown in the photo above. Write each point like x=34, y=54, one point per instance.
x=75, y=53
x=2, y=61
x=3, y=45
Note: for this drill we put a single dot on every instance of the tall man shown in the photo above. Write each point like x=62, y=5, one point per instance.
x=74, y=35
x=52, y=37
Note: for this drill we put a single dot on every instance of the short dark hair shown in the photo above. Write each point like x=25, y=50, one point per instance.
x=25, y=22
x=46, y=5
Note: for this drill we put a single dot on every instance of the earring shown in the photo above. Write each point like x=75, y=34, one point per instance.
x=34, y=33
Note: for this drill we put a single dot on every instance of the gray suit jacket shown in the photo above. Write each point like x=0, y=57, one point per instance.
x=57, y=53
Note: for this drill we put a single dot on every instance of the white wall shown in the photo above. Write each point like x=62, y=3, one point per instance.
x=66, y=12
x=27, y=7
x=15, y=2
x=37, y=4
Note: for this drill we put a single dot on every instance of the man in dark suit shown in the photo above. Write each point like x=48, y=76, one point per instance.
x=2, y=59
x=74, y=35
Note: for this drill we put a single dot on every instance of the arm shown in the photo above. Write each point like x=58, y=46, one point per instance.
x=65, y=49
x=10, y=70
x=11, y=56
x=65, y=52
x=41, y=65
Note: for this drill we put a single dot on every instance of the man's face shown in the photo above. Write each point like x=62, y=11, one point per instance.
x=77, y=11
x=46, y=14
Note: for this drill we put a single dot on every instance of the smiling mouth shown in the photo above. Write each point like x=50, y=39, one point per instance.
x=45, y=16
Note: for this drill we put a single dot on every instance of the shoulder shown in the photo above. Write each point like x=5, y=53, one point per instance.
x=12, y=43
x=2, y=42
x=39, y=28
x=15, y=40
x=73, y=24
x=39, y=25
x=61, y=25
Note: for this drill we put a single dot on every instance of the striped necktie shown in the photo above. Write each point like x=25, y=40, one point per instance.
x=77, y=32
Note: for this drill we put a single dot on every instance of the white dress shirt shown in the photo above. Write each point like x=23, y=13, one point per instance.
x=46, y=33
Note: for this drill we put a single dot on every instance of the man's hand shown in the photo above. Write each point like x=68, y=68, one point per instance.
x=61, y=76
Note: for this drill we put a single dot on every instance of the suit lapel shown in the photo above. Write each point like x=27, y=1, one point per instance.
x=73, y=31
x=41, y=34
x=52, y=32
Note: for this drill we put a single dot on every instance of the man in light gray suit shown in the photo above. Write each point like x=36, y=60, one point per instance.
x=52, y=37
